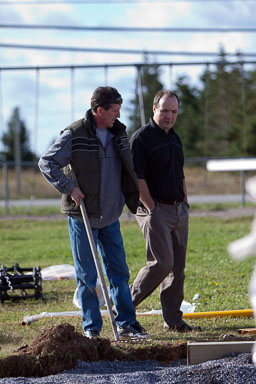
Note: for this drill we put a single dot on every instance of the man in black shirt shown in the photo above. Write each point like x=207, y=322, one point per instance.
x=163, y=210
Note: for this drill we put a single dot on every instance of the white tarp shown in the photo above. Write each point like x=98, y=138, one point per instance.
x=58, y=272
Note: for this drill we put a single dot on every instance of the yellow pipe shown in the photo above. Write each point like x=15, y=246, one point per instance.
x=194, y=315
x=234, y=313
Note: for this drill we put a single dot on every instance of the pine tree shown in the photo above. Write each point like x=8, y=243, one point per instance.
x=8, y=140
x=250, y=116
x=222, y=98
x=189, y=124
x=150, y=85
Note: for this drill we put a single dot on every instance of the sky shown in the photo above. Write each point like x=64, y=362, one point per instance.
x=49, y=101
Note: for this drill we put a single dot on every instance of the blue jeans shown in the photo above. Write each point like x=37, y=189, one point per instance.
x=111, y=250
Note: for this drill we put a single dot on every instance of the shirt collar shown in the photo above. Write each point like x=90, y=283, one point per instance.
x=159, y=130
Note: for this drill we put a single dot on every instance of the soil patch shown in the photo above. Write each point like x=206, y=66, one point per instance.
x=58, y=348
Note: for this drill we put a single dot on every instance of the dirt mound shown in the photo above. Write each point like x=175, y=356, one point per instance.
x=58, y=348
x=163, y=353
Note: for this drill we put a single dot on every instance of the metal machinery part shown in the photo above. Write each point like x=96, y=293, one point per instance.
x=13, y=279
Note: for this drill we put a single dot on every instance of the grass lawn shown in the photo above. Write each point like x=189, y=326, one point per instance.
x=221, y=282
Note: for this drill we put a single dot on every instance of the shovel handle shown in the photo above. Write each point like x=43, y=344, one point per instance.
x=96, y=261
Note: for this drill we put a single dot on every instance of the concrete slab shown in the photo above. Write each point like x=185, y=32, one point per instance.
x=204, y=351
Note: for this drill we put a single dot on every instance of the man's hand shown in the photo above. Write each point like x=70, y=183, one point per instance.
x=76, y=195
x=145, y=196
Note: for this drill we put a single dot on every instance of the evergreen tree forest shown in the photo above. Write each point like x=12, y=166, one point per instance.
x=8, y=140
x=217, y=118
x=150, y=85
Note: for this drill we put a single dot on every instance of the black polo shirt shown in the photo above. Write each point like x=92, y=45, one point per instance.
x=159, y=159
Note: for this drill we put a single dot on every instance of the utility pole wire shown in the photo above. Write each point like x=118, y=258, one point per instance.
x=116, y=65
x=54, y=2
x=121, y=51
x=131, y=29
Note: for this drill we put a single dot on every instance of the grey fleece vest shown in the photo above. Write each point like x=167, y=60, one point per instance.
x=86, y=164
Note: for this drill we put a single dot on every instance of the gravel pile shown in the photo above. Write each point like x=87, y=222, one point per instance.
x=233, y=369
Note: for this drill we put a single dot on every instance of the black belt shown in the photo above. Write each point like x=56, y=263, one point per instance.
x=168, y=202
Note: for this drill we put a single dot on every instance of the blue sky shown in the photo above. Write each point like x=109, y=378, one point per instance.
x=18, y=87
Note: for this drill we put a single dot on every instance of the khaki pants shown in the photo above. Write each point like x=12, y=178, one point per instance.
x=165, y=231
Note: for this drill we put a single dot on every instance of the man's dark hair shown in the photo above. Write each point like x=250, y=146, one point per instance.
x=104, y=97
x=162, y=93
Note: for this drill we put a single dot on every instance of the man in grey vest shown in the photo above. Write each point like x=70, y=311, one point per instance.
x=97, y=147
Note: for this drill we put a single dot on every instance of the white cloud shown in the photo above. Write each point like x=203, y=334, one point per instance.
x=157, y=15
x=226, y=14
x=55, y=91
x=31, y=13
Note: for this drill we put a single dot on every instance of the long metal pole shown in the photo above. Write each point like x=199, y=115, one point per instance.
x=17, y=153
x=106, y=75
x=170, y=82
x=78, y=66
x=72, y=94
x=140, y=95
x=243, y=97
x=1, y=104
x=36, y=117
x=6, y=188
x=242, y=188
x=97, y=263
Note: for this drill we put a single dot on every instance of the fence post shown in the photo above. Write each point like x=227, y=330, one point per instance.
x=17, y=154
x=6, y=188
x=140, y=95
x=242, y=188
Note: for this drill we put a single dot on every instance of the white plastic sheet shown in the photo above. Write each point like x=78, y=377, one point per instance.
x=99, y=294
x=58, y=272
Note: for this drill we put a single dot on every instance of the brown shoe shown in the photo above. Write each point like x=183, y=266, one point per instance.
x=183, y=328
